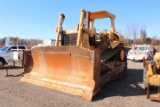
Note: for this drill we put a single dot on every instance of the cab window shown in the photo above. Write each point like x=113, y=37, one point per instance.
x=13, y=48
x=22, y=48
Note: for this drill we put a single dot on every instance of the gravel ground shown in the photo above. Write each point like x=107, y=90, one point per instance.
x=126, y=91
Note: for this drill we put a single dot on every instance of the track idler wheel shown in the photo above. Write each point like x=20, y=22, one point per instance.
x=122, y=55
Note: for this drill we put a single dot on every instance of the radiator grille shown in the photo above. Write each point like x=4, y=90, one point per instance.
x=69, y=39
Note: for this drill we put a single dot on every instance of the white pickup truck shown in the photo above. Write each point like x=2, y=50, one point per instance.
x=139, y=52
x=11, y=53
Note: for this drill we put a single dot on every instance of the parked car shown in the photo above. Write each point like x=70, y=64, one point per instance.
x=11, y=53
x=139, y=51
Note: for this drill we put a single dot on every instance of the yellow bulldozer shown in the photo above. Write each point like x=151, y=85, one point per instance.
x=12, y=41
x=151, y=76
x=81, y=61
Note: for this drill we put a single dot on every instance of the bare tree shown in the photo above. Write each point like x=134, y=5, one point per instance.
x=154, y=40
x=143, y=34
x=33, y=42
x=131, y=32
x=134, y=33
x=128, y=34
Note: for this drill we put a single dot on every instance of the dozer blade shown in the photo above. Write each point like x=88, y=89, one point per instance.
x=70, y=69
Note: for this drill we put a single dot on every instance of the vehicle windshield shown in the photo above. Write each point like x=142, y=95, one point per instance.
x=3, y=48
x=142, y=48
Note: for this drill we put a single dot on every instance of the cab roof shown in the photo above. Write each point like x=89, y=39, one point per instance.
x=101, y=14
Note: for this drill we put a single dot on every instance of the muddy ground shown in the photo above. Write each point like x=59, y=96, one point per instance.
x=126, y=91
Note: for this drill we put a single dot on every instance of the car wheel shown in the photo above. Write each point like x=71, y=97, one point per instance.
x=1, y=62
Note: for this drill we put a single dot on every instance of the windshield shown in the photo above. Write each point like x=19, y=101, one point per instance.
x=3, y=48
x=142, y=48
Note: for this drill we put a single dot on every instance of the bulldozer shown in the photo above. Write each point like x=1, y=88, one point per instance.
x=12, y=41
x=151, y=76
x=82, y=60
